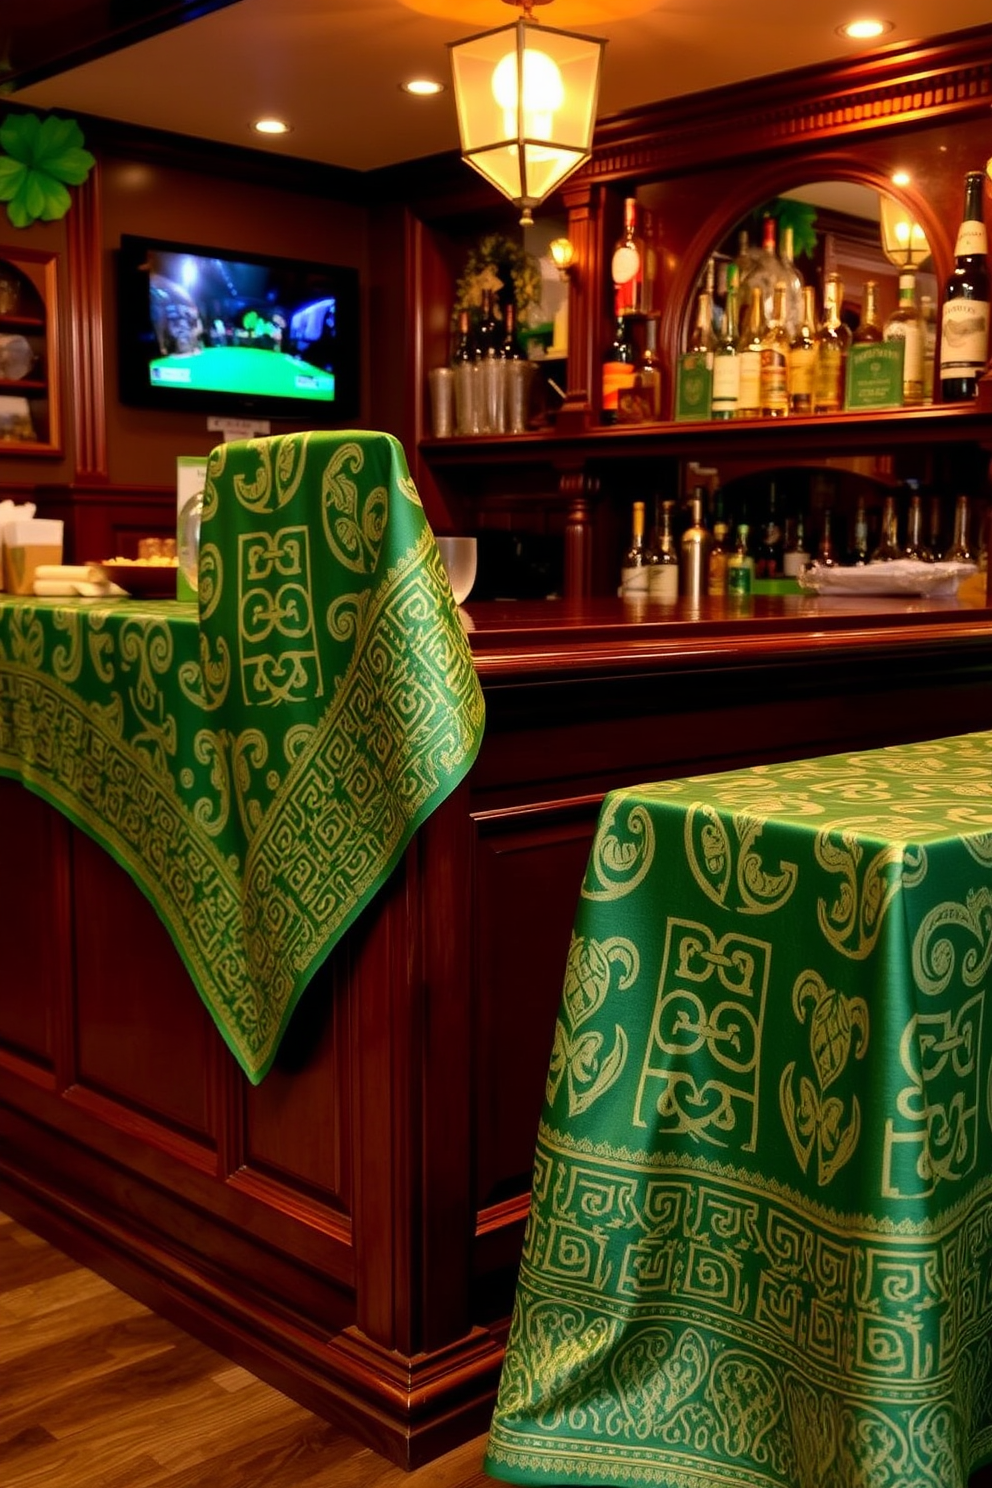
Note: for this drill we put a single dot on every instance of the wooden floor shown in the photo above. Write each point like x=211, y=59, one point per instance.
x=98, y=1392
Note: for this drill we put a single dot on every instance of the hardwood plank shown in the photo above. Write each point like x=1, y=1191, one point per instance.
x=98, y=1392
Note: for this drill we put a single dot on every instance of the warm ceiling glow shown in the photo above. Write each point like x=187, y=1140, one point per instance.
x=901, y=178
x=270, y=126
x=422, y=87
x=544, y=93
x=865, y=30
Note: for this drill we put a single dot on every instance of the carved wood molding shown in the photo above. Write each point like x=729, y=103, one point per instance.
x=87, y=406
x=897, y=88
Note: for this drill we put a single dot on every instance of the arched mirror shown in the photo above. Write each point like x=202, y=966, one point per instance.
x=810, y=232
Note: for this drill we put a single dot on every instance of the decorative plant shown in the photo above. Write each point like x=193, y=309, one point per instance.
x=499, y=264
x=41, y=158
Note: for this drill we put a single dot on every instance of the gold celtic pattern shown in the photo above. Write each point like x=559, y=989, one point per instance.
x=578, y=1057
x=817, y=1121
x=622, y=853
x=701, y=1070
x=259, y=818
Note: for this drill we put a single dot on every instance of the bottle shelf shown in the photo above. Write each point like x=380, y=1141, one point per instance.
x=875, y=432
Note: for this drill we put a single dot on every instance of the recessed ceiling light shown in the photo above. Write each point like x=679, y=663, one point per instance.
x=865, y=30
x=422, y=87
x=901, y=178
x=271, y=126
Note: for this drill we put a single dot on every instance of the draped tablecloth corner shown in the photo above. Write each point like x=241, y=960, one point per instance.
x=759, y=1248
x=258, y=768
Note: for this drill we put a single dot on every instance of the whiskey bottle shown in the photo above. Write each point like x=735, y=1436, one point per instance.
x=636, y=563
x=749, y=356
x=802, y=357
x=619, y=367
x=663, y=575
x=870, y=326
x=775, y=360
x=832, y=341
x=964, y=327
x=716, y=568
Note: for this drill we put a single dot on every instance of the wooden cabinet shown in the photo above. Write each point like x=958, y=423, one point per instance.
x=29, y=373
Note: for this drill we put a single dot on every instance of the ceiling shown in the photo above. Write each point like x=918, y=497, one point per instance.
x=333, y=68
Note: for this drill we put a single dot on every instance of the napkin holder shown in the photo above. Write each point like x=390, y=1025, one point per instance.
x=28, y=544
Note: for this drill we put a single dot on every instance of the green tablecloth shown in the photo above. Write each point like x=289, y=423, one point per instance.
x=258, y=770
x=759, y=1249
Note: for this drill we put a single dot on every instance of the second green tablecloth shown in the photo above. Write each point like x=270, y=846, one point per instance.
x=759, y=1249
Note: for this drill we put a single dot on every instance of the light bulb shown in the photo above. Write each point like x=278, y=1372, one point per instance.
x=544, y=92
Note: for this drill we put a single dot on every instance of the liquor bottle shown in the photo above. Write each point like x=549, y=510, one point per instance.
x=888, y=549
x=934, y=542
x=619, y=367
x=467, y=397
x=716, y=568
x=627, y=265
x=826, y=553
x=634, y=569
x=749, y=356
x=740, y=564
x=663, y=575
x=959, y=549
x=904, y=325
x=802, y=357
x=695, y=547
x=915, y=546
x=488, y=339
x=701, y=338
x=859, y=539
x=765, y=269
x=509, y=349
x=964, y=327
x=928, y=320
x=648, y=374
x=870, y=326
x=768, y=559
x=795, y=556
x=726, y=366
x=832, y=341
x=775, y=360
x=794, y=286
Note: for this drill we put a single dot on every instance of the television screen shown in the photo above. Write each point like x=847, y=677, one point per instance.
x=232, y=332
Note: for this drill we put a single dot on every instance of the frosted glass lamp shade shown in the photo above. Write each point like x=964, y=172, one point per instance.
x=904, y=242
x=526, y=99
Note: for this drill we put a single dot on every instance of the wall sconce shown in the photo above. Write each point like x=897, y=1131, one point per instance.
x=526, y=99
x=904, y=242
x=563, y=253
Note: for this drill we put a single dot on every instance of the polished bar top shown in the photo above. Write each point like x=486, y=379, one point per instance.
x=599, y=635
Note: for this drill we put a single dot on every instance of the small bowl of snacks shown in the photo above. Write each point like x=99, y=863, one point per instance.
x=152, y=575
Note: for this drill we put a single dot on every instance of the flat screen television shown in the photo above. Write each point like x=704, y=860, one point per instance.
x=221, y=332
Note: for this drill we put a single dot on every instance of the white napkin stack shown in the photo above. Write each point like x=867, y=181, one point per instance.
x=79, y=580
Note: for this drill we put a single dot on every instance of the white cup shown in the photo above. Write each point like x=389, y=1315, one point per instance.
x=460, y=556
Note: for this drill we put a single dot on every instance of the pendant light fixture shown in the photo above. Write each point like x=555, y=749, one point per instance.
x=904, y=242
x=526, y=99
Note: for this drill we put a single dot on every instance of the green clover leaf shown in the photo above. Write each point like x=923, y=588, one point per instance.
x=42, y=158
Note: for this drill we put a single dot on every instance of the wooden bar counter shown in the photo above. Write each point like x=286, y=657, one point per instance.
x=350, y=1229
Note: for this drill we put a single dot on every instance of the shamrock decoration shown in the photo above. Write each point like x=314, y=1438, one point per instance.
x=40, y=159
